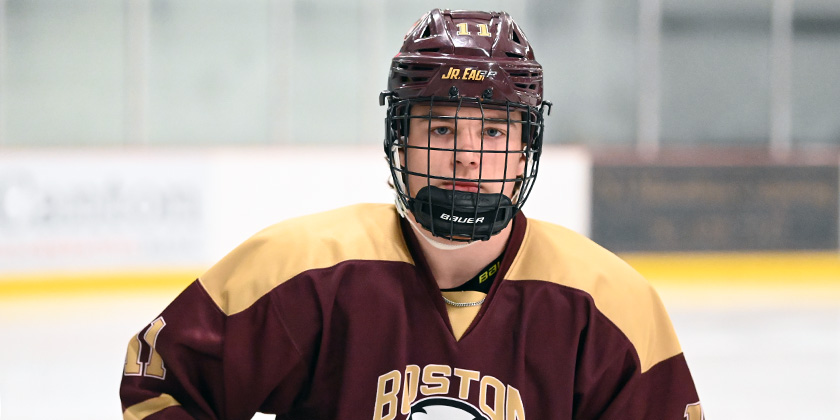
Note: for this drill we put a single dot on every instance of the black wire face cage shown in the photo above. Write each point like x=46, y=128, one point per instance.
x=455, y=213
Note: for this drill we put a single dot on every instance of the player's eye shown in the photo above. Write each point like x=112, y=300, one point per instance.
x=441, y=131
x=493, y=132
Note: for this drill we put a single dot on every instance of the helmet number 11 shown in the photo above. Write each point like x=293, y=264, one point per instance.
x=463, y=29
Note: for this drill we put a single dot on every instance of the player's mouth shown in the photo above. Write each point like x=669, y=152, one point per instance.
x=460, y=186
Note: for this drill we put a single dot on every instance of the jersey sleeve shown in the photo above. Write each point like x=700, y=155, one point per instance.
x=613, y=382
x=196, y=362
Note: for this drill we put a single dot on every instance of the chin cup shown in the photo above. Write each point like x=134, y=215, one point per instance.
x=461, y=215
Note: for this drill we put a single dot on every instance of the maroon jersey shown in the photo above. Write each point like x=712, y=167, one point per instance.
x=336, y=316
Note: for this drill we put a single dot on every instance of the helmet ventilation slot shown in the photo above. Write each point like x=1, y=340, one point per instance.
x=526, y=86
x=427, y=32
x=514, y=36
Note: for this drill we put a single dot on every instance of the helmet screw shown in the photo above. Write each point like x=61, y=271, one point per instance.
x=487, y=94
x=453, y=92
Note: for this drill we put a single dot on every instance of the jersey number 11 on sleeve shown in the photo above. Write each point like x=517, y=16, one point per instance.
x=153, y=365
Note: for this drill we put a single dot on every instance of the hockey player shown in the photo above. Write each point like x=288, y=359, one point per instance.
x=451, y=304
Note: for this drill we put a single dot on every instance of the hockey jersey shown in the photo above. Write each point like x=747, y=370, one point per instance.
x=336, y=316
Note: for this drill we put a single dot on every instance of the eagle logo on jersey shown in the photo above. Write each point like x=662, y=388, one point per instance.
x=444, y=408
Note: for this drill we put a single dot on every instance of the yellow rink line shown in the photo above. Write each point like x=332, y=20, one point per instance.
x=814, y=272
x=743, y=279
x=100, y=282
x=759, y=269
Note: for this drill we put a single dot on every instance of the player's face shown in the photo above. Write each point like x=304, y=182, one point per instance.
x=490, y=152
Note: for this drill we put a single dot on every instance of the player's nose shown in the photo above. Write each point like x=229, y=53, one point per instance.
x=468, y=145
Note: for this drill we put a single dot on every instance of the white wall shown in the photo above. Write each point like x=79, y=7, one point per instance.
x=79, y=210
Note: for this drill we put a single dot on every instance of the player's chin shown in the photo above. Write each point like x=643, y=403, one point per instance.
x=450, y=240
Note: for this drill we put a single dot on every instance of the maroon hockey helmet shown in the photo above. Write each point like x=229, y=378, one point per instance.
x=464, y=59
x=470, y=51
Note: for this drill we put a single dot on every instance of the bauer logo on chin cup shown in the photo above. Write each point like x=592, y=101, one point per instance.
x=457, y=219
x=461, y=215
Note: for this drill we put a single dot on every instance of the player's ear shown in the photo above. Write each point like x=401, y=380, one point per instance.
x=401, y=151
x=523, y=143
x=520, y=166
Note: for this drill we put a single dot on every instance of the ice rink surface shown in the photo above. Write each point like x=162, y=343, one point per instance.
x=62, y=356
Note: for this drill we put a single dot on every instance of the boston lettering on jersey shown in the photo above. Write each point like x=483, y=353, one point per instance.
x=397, y=392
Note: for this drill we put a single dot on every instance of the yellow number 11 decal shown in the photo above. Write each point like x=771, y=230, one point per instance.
x=153, y=365
x=463, y=29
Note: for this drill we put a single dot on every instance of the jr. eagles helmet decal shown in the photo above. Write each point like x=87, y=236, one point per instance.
x=444, y=408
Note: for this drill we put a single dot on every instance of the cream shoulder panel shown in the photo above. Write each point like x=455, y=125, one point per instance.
x=558, y=255
x=284, y=250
